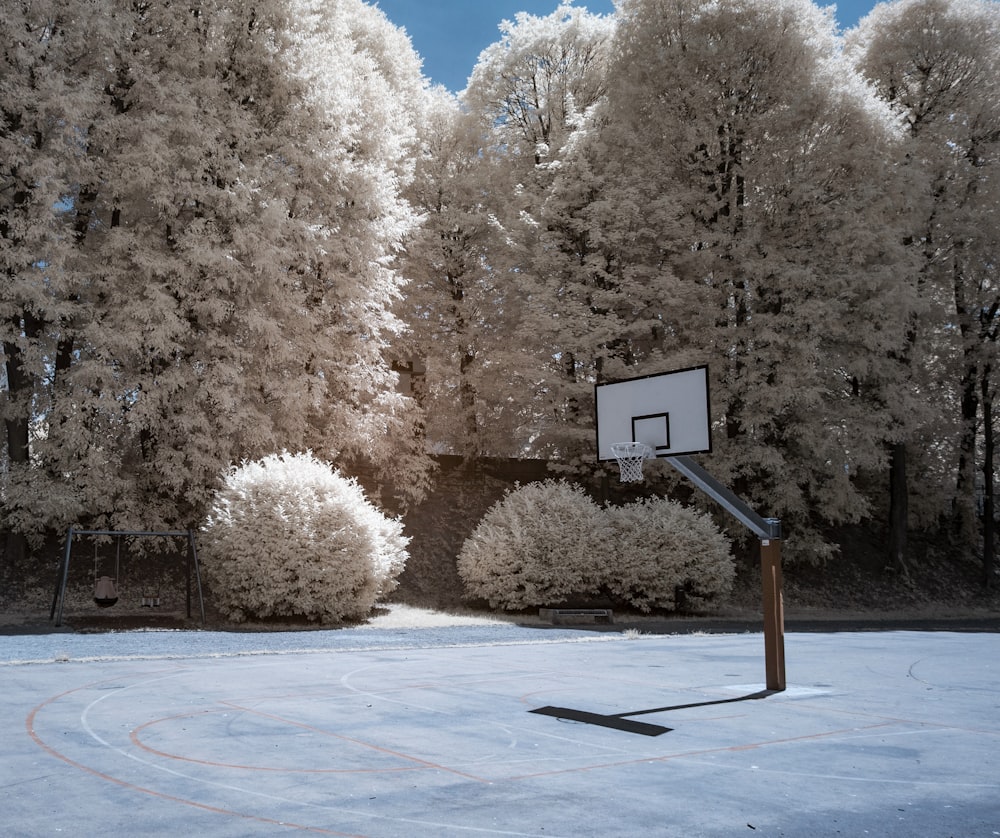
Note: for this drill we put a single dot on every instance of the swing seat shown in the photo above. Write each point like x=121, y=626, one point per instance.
x=105, y=594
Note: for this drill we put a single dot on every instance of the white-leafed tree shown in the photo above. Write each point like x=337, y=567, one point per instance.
x=50, y=82
x=528, y=93
x=215, y=209
x=936, y=63
x=459, y=309
x=731, y=202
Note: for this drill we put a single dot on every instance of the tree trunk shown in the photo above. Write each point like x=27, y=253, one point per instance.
x=963, y=524
x=20, y=385
x=988, y=474
x=467, y=396
x=898, y=509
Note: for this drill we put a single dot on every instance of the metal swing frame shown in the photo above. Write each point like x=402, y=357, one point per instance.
x=59, y=598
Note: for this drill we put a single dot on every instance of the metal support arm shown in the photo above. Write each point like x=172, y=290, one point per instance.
x=761, y=527
x=768, y=530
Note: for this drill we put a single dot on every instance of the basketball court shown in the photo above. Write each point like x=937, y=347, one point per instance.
x=440, y=734
x=512, y=730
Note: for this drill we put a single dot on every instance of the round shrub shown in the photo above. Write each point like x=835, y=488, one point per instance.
x=289, y=536
x=547, y=542
x=543, y=542
x=664, y=548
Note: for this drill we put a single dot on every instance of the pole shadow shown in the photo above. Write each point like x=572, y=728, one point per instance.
x=623, y=721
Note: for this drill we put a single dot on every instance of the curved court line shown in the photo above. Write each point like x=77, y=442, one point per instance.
x=421, y=763
x=464, y=683
x=135, y=737
x=108, y=729
x=30, y=726
x=243, y=815
x=85, y=715
x=343, y=681
x=937, y=784
x=861, y=714
x=52, y=751
x=727, y=749
x=945, y=687
x=694, y=755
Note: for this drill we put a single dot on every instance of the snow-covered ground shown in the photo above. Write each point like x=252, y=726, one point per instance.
x=394, y=627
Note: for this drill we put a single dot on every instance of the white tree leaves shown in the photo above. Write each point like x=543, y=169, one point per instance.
x=216, y=281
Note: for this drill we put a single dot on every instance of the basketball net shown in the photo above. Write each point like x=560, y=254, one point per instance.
x=630, y=456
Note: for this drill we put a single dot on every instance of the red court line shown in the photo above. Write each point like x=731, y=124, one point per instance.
x=750, y=746
x=134, y=735
x=30, y=727
x=371, y=746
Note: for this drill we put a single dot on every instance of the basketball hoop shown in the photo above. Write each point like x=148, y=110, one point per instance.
x=630, y=456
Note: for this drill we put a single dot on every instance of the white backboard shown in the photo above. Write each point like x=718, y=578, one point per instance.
x=669, y=412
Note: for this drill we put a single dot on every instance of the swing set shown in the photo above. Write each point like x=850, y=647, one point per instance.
x=106, y=587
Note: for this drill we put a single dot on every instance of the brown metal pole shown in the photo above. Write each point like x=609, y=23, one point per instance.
x=193, y=558
x=774, y=613
x=188, y=585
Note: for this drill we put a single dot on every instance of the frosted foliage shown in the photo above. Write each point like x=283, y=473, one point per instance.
x=937, y=64
x=289, y=536
x=200, y=212
x=548, y=542
x=661, y=548
x=732, y=201
x=541, y=543
x=460, y=308
x=540, y=77
x=480, y=184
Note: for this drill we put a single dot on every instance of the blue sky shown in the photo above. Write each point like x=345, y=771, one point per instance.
x=450, y=34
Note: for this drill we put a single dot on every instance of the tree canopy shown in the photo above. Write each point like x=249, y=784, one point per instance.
x=222, y=226
x=198, y=224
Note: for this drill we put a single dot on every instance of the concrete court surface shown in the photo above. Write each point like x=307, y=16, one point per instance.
x=881, y=734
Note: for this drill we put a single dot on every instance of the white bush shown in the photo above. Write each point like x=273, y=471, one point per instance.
x=540, y=544
x=662, y=548
x=289, y=536
x=547, y=542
